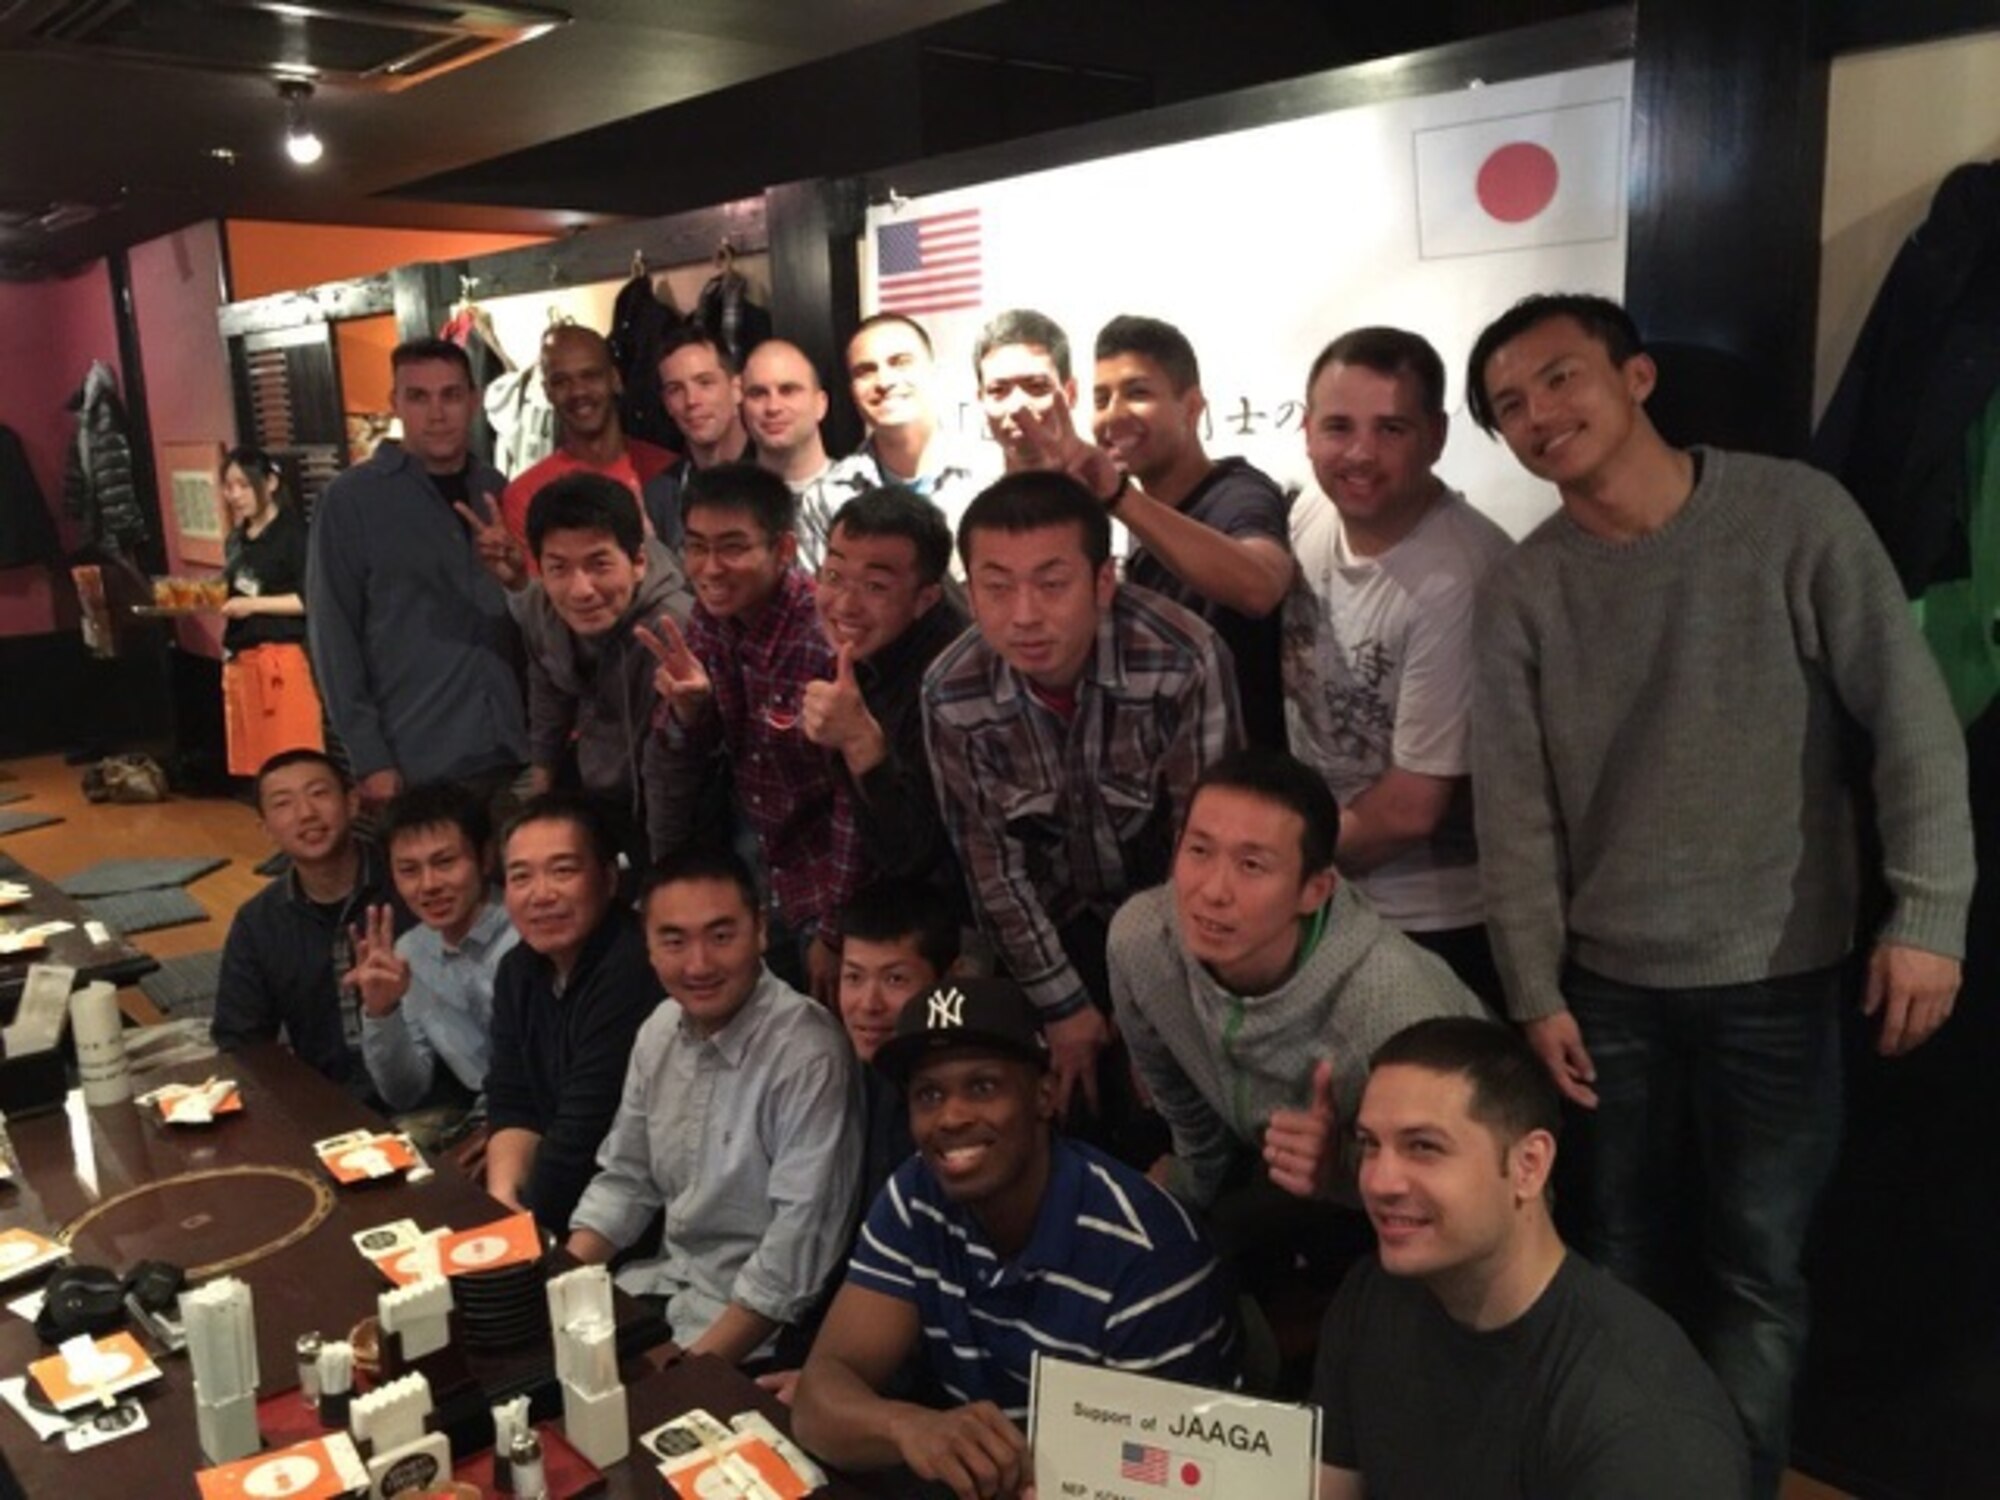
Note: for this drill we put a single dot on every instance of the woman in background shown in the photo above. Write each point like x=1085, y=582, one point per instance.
x=268, y=697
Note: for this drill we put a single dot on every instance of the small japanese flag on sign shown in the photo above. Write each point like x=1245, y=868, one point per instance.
x=1554, y=177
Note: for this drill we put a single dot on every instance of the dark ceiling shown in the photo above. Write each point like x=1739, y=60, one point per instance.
x=631, y=107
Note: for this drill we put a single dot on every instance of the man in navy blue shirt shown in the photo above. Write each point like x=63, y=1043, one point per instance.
x=998, y=1239
x=290, y=944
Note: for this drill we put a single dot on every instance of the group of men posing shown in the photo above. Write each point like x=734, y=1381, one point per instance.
x=1213, y=824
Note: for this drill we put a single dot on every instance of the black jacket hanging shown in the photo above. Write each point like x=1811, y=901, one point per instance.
x=98, y=487
x=27, y=530
x=1924, y=368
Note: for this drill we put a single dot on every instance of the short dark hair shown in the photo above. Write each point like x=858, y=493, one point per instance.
x=897, y=510
x=743, y=487
x=1512, y=1092
x=302, y=756
x=876, y=320
x=1390, y=352
x=686, y=336
x=1022, y=325
x=437, y=804
x=567, y=807
x=703, y=862
x=1032, y=499
x=583, y=501
x=1275, y=776
x=1600, y=317
x=890, y=910
x=1154, y=339
x=426, y=351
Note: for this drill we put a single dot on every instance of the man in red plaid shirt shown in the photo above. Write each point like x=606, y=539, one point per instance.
x=735, y=684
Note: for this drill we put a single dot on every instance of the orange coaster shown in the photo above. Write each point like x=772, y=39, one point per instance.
x=505, y=1242
x=368, y=1160
x=124, y=1364
x=22, y=1251
x=694, y=1476
x=320, y=1469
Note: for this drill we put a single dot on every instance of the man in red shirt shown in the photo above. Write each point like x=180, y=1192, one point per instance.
x=584, y=387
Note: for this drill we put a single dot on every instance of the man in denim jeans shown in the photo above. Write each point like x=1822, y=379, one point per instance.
x=1673, y=677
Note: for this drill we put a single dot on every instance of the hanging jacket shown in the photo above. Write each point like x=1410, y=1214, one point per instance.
x=640, y=322
x=27, y=530
x=1923, y=370
x=524, y=424
x=729, y=316
x=98, y=488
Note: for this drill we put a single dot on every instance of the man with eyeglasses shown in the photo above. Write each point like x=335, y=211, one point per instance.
x=734, y=686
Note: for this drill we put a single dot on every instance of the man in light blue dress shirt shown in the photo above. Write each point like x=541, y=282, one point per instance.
x=741, y=1117
x=427, y=1000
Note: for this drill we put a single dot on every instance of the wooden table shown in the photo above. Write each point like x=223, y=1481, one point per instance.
x=75, y=1159
x=118, y=961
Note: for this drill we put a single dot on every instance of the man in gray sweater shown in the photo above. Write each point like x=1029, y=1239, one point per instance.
x=1670, y=676
x=1253, y=987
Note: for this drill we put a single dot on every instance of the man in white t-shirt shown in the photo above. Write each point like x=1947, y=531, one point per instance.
x=1377, y=639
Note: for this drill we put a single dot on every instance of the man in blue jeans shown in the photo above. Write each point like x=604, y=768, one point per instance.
x=1673, y=678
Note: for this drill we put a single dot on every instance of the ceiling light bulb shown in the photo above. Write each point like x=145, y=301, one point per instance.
x=302, y=143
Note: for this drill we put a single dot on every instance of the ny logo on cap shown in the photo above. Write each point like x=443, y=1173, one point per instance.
x=947, y=1009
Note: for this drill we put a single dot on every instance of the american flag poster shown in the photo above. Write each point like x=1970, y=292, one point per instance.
x=929, y=264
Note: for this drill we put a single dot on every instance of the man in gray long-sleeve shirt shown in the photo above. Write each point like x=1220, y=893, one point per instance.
x=411, y=640
x=741, y=1118
x=1670, y=673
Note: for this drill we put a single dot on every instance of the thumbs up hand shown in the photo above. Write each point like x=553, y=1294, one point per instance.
x=835, y=717
x=1302, y=1146
x=680, y=679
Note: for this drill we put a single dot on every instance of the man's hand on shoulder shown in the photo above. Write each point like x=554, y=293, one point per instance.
x=379, y=788
x=1914, y=992
x=974, y=1450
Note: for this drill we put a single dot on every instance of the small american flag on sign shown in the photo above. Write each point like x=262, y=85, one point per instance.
x=929, y=265
x=1146, y=1464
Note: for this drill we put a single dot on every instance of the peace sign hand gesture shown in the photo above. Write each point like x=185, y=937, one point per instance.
x=494, y=544
x=380, y=975
x=680, y=679
x=1058, y=446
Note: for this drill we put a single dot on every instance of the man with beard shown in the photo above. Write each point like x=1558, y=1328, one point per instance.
x=584, y=386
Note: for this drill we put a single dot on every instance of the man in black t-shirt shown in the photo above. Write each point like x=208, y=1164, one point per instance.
x=1480, y=1359
x=1210, y=534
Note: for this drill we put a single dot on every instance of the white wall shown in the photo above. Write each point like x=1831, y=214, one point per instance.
x=1897, y=122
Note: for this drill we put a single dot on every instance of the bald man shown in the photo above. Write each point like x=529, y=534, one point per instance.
x=584, y=388
x=783, y=405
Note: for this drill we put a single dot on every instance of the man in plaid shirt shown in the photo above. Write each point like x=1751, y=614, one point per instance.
x=736, y=682
x=1066, y=735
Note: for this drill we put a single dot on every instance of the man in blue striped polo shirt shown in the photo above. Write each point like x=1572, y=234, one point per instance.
x=998, y=1239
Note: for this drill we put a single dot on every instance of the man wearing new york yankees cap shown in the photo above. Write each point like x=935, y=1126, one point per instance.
x=999, y=1238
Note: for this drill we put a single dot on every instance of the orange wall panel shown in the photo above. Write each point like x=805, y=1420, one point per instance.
x=266, y=256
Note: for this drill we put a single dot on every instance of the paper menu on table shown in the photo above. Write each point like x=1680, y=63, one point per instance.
x=43, y=1010
x=742, y=1466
